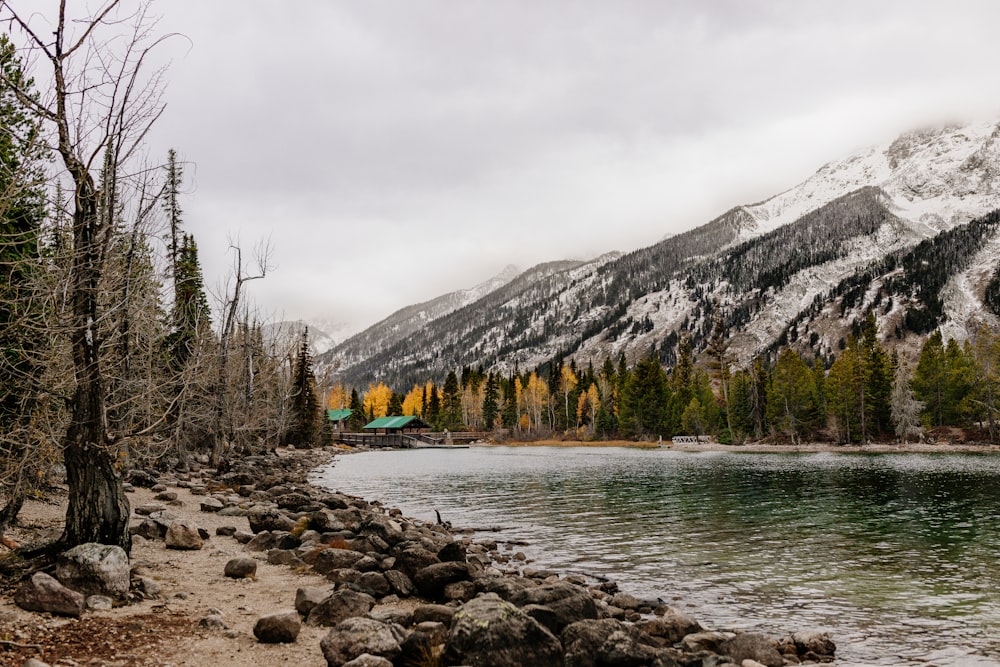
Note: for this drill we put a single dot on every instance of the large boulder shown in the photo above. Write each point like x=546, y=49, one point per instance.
x=384, y=528
x=44, y=593
x=280, y=628
x=329, y=560
x=431, y=580
x=268, y=518
x=593, y=643
x=812, y=641
x=400, y=583
x=413, y=559
x=560, y=613
x=752, y=646
x=489, y=632
x=355, y=637
x=308, y=597
x=340, y=605
x=672, y=626
x=241, y=568
x=95, y=569
x=183, y=534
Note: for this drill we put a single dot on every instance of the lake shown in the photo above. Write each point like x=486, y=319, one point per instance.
x=895, y=555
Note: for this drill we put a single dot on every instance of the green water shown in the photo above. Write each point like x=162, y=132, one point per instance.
x=895, y=555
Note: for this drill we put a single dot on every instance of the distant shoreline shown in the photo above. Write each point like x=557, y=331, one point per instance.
x=766, y=448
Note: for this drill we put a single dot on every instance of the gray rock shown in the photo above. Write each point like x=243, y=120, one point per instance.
x=95, y=569
x=431, y=580
x=44, y=593
x=400, y=583
x=147, y=587
x=225, y=531
x=166, y=496
x=262, y=541
x=374, y=584
x=355, y=637
x=489, y=632
x=705, y=641
x=267, y=518
x=183, y=535
x=437, y=632
x=559, y=614
x=625, y=601
x=328, y=560
x=242, y=536
x=433, y=612
x=100, y=602
x=752, y=646
x=213, y=622
x=283, y=557
x=459, y=591
x=280, y=628
x=148, y=529
x=241, y=568
x=210, y=504
x=544, y=594
x=414, y=558
x=368, y=660
x=384, y=528
x=338, y=606
x=807, y=641
x=308, y=597
x=672, y=626
x=34, y=662
x=149, y=508
x=389, y=614
x=605, y=642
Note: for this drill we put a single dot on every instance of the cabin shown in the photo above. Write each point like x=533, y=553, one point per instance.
x=338, y=419
x=397, y=424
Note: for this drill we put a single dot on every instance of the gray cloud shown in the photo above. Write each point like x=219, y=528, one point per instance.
x=396, y=150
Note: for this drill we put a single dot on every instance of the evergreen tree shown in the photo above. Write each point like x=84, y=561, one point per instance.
x=395, y=404
x=357, y=420
x=304, y=411
x=433, y=414
x=644, y=399
x=693, y=418
x=491, y=399
x=930, y=380
x=845, y=392
x=877, y=378
x=22, y=319
x=452, y=405
x=791, y=397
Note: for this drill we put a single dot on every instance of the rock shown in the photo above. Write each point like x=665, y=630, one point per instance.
x=166, y=496
x=374, y=584
x=243, y=536
x=280, y=628
x=355, y=637
x=434, y=613
x=414, y=558
x=807, y=641
x=459, y=591
x=213, y=622
x=283, y=557
x=605, y=642
x=241, y=568
x=400, y=583
x=705, y=641
x=292, y=501
x=753, y=646
x=368, y=660
x=389, y=614
x=308, y=597
x=100, y=602
x=266, y=518
x=625, y=601
x=149, y=508
x=417, y=648
x=431, y=580
x=34, y=662
x=225, y=531
x=338, y=606
x=437, y=632
x=262, y=541
x=183, y=534
x=489, y=632
x=44, y=593
x=672, y=626
x=328, y=560
x=561, y=613
x=384, y=528
x=147, y=587
x=544, y=594
x=210, y=504
x=751, y=663
x=95, y=569
x=452, y=552
x=148, y=529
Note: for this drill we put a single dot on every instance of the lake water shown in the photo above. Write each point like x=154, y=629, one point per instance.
x=895, y=555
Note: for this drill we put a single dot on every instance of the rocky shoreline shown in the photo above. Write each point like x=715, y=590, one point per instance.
x=367, y=587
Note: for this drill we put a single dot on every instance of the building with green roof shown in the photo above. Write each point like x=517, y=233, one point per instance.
x=397, y=424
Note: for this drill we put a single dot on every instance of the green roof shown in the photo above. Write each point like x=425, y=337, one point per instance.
x=338, y=415
x=390, y=422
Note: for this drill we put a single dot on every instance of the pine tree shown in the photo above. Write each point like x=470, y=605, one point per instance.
x=305, y=410
x=791, y=397
x=930, y=380
x=432, y=413
x=491, y=401
x=452, y=403
x=357, y=420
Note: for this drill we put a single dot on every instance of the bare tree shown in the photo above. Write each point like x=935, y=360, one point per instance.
x=101, y=100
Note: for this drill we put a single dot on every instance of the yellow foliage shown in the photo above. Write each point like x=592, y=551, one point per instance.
x=413, y=402
x=377, y=399
x=339, y=398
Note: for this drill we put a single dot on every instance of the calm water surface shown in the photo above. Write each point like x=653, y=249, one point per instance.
x=895, y=555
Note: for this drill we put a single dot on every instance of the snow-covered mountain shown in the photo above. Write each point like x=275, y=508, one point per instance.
x=904, y=229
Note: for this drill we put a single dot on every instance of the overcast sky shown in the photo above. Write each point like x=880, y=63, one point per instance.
x=396, y=150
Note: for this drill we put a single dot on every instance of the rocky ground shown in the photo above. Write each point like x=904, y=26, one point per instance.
x=253, y=567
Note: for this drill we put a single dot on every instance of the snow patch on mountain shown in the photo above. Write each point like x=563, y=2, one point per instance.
x=962, y=295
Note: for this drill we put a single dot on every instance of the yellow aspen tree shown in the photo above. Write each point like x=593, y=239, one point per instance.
x=338, y=398
x=413, y=402
x=519, y=402
x=536, y=399
x=567, y=383
x=376, y=401
x=472, y=407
